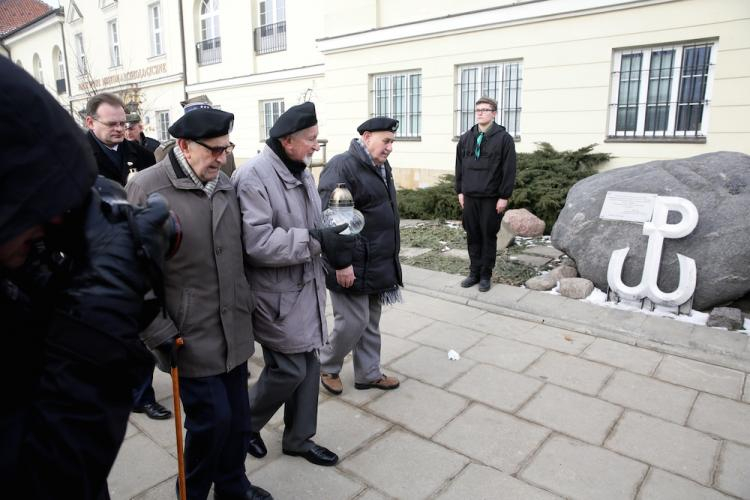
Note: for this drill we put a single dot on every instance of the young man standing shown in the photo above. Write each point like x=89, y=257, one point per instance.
x=485, y=175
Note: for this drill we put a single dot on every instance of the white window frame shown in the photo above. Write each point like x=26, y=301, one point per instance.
x=210, y=27
x=156, y=26
x=162, y=125
x=113, y=35
x=103, y=4
x=509, y=97
x=267, y=110
x=60, y=64
x=81, y=62
x=674, y=91
x=384, y=100
x=38, y=69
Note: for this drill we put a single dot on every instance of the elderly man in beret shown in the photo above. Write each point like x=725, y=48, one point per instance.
x=372, y=277
x=283, y=240
x=208, y=303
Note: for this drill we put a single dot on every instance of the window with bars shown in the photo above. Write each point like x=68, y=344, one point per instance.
x=661, y=92
x=162, y=125
x=114, y=43
x=270, y=112
x=399, y=96
x=499, y=80
x=154, y=15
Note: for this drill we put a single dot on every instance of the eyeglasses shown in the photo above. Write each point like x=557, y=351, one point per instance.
x=112, y=124
x=484, y=110
x=216, y=151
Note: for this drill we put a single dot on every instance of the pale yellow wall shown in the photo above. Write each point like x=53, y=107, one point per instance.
x=394, y=12
x=567, y=65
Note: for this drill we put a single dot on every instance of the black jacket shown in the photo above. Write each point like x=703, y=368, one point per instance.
x=494, y=173
x=148, y=142
x=133, y=155
x=375, y=257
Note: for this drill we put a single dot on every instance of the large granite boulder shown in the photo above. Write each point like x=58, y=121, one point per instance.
x=718, y=184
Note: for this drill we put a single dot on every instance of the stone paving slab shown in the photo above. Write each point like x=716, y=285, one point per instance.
x=701, y=376
x=477, y=482
x=554, y=338
x=419, y=407
x=660, y=399
x=401, y=323
x=530, y=260
x=544, y=251
x=447, y=337
x=661, y=485
x=458, y=253
x=407, y=252
x=508, y=354
x=432, y=366
x=492, y=437
x=571, y=372
x=343, y=439
x=392, y=348
x=503, y=326
x=579, y=416
x=720, y=416
x=746, y=393
x=666, y=445
x=456, y=314
x=582, y=471
x=496, y=387
x=732, y=475
x=131, y=474
x=634, y=359
x=404, y=466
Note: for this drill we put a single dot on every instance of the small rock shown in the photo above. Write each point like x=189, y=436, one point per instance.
x=725, y=317
x=567, y=261
x=576, y=288
x=561, y=272
x=505, y=237
x=542, y=283
x=521, y=222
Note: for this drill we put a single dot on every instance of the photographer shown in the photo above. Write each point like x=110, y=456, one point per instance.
x=71, y=301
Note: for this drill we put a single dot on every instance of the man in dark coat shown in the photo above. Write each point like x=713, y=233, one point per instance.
x=485, y=175
x=373, y=276
x=71, y=294
x=134, y=132
x=115, y=156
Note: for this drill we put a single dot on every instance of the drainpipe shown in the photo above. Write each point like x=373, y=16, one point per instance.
x=182, y=46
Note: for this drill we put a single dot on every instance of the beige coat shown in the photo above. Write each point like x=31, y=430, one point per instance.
x=208, y=298
x=282, y=261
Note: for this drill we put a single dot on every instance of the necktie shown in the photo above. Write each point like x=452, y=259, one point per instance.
x=478, y=149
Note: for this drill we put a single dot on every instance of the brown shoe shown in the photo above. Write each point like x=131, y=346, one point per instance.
x=332, y=383
x=385, y=383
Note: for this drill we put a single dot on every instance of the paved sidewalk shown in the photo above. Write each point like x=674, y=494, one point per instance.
x=552, y=398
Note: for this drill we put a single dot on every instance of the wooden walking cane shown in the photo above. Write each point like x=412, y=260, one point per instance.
x=174, y=371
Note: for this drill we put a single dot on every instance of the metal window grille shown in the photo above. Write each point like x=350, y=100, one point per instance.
x=162, y=125
x=270, y=38
x=661, y=91
x=501, y=81
x=399, y=96
x=208, y=51
x=270, y=111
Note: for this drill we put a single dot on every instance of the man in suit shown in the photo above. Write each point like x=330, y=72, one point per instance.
x=115, y=157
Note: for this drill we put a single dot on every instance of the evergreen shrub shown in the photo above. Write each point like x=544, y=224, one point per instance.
x=543, y=179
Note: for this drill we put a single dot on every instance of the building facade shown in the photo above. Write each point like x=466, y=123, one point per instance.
x=642, y=79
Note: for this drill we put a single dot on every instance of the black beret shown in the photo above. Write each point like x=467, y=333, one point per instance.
x=377, y=124
x=296, y=118
x=202, y=123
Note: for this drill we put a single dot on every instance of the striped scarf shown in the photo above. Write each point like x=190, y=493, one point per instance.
x=207, y=187
x=381, y=168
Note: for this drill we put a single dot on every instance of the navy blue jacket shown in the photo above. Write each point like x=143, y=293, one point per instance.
x=493, y=174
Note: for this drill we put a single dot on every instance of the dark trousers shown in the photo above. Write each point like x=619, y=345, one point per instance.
x=481, y=223
x=217, y=416
x=144, y=394
x=290, y=380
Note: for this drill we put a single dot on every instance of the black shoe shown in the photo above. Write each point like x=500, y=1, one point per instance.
x=470, y=281
x=252, y=493
x=154, y=410
x=257, y=447
x=316, y=455
x=485, y=284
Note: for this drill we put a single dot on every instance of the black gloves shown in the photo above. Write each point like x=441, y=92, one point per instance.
x=336, y=247
x=165, y=355
x=107, y=287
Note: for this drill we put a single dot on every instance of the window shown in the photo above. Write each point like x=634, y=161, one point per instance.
x=106, y=3
x=80, y=54
x=271, y=35
x=661, y=91
x=208, y=50
x=154, y=21
x=499, y=80
x=162, y=125
x=59, y=67
x=114, y=43
x=38, y=74
x=399, y=96
x=270, y=112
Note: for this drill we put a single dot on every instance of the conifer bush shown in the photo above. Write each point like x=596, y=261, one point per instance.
x=543, y=179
